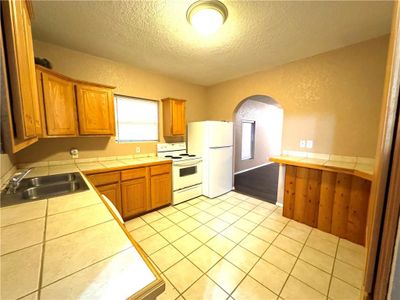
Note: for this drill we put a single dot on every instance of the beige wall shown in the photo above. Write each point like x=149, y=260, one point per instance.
x=129, y=81
x=332, y=98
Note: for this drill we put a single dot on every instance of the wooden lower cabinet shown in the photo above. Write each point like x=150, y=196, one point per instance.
x=160, y=190
x=134, y=197
x=112, y=192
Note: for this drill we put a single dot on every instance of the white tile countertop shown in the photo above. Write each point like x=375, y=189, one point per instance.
x=72, y=246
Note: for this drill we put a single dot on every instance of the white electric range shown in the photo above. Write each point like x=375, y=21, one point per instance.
x=186, y=171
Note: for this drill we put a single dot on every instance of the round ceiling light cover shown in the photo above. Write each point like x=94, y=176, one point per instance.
x=207, y=16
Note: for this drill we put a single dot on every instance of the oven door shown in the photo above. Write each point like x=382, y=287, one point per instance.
x=186, y=173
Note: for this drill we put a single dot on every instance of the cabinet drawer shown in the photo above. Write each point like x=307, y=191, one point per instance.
x=133, y=174
x=160, y=169
x=104, y=178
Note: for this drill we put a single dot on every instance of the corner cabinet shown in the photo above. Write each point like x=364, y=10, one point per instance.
x=174, y=117
x=95, y=110
x=74, y=108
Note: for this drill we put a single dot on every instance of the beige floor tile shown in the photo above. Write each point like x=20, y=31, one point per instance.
x=21, y=235
x=33, y=296
x=294, y=289
x=254, y=217
x=269, y=205
x=191, y=210
x=168, y=211
x=254, y=201
x=178, y=217
x=217, y=225
x=204, y=258
x=151, y=217
x=317, y=259
x=183, y=274
x=246, y=205
x=238, y=211
x=203, y=205
x=142, y=233
x=254, y=244
x=242, y=258
x=234, y=234
x=153, y=243
x=262, y=211
x=170, y=292
x=264, y=233
x=340, y=290
x=189, y=224
x=226, y=275
x=322, y=245
x=205, y=288
x=107, y=279
x=215, y=211
x=348, y=273
x=228, y=217
x=233, y=201
x=251, y=289
x=318, y=234
x=23, y=212
x=77, y=219
x=20, y=272
x=245, y=225
x=166, y=257
x=194, y=201
x=351, y=254
x=161, y=224
x=295, y=234
x=279, y=258
x=187, y=244
x=279, y=218
x=220, y=244
x=314, y=277
x=173, y=233
x=287, y=244
x=70, y=253
x=225, y=205
x=203, y=233
x=203, y=217
x=184, y=205
x=269, y=275
x=134, y=224
x=239, y=196
x=273, y=225
x=299, y=226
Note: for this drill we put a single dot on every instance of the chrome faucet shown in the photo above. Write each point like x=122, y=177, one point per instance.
x=14, y=182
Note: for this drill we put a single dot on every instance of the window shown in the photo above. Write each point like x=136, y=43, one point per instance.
x=248, y=131
x=137, y=119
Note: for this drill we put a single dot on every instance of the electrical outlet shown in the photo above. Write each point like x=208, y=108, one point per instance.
x=74, y=153
x=302, y=143
x=309, y=144
x=137, y=149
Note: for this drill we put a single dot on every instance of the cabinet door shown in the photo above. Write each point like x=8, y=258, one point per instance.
x=96, y=110
x=178, y=117
x=161, y=190
x=134, y=197
x=112, y=192
x=59, y=105
x=18, y=35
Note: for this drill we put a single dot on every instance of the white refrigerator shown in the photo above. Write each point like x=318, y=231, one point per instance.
x=213, y=141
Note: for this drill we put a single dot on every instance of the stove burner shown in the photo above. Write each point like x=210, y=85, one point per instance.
x=187, y=155
x=170, y=156
x=176, y=157
x=191, y=155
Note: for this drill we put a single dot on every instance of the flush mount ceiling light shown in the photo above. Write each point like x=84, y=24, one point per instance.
x=207, y=16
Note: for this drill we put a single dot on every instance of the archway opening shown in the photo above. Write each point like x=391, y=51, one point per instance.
x=258, y=125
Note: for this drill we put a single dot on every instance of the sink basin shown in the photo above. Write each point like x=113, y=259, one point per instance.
x=44, y=187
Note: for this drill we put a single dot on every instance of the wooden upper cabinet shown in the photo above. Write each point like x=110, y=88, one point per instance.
x=21, y=65
x=59, y=105
x=174, y=117
x=95, y=110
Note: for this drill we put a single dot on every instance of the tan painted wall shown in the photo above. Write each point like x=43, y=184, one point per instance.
x=129, y=81
x=333, y=98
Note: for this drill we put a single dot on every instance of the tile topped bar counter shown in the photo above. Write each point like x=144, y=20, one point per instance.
x=329, y=194
x=73, y=246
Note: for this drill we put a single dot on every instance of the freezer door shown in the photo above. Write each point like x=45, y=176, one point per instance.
x=219, y=134
x=220, y=172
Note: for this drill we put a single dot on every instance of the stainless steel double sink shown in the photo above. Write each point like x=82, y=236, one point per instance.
x=43, y=187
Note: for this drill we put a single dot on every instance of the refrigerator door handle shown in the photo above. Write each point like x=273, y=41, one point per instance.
x=221, y=147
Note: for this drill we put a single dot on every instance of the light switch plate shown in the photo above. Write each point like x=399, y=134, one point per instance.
x=302, y=143
x=309, y=144
x=137, y=149
x=74, y=153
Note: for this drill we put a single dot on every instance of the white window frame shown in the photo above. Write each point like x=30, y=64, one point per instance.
x=252, y=139
x=117, y=139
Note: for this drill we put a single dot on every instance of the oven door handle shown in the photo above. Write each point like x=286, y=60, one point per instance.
x=187, y=164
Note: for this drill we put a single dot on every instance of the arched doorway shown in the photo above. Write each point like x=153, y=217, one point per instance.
x=258, y=124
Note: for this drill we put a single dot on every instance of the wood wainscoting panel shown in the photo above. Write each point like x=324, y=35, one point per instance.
x=340, y=210
x=313, y=195
x=327, y=195
x=290, y=191
x=300, y=194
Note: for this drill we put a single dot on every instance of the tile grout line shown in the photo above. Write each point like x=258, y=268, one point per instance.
x=43, y=252
x=333, y=268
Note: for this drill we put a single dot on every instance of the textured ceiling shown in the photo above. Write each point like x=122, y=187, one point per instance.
x=155, y=35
